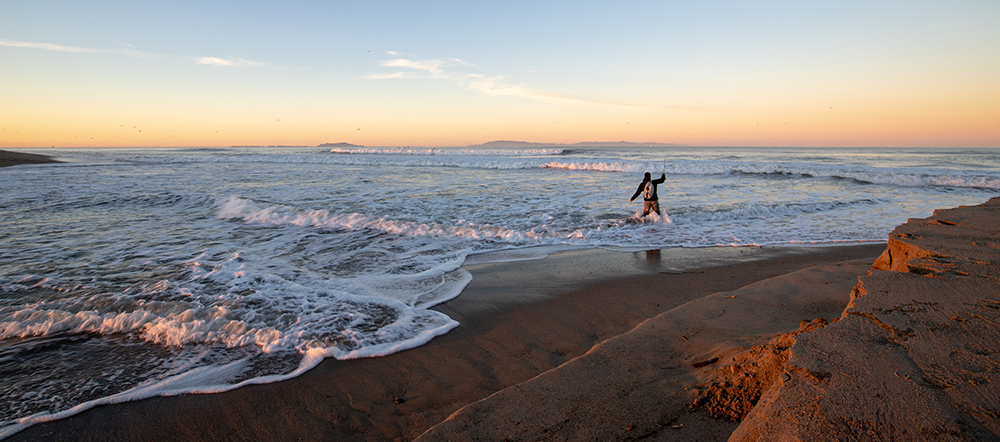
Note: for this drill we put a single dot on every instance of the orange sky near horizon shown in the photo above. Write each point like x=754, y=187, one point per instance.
x=846, y=124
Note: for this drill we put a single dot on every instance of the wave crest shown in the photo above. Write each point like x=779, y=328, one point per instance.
x=250, y=212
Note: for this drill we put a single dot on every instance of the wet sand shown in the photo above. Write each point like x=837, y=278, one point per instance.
x=523, y=323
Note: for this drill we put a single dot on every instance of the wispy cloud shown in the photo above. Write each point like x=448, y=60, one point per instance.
x=388, y=76
x=433, y=67
x=498, y=87
x=495, y=86
x=213, y=61
x=231, y=62
x=77, y=49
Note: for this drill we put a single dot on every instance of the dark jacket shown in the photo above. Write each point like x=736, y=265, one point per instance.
x=642, y=186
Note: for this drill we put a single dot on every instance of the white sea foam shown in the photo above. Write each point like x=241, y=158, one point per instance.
x=205, y=379
x=598, y=167
x=248, y=211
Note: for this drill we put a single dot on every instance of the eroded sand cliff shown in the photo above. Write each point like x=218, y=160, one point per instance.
x=914, y=356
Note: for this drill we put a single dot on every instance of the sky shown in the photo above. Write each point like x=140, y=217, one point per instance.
x=456, y=73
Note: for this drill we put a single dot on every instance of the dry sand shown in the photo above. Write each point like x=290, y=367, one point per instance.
x=564, y=348
x=8, y=158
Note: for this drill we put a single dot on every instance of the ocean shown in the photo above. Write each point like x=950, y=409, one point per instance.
x=131, y=273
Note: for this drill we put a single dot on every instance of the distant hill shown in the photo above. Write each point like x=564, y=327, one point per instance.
x=508, y=144
x=341, y=144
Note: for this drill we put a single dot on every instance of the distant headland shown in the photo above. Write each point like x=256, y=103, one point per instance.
x=507, y=144
x=8, y=158
x=341, y=144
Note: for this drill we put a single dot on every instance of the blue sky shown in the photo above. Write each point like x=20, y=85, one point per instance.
x=457, y=73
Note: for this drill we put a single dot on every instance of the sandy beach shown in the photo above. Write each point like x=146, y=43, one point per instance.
x=8, y=158
x=523, y=324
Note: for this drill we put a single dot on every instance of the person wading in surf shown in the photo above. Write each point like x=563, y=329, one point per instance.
x=648, y=190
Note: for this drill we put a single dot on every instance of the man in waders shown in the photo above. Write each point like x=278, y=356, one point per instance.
x=648, y=190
